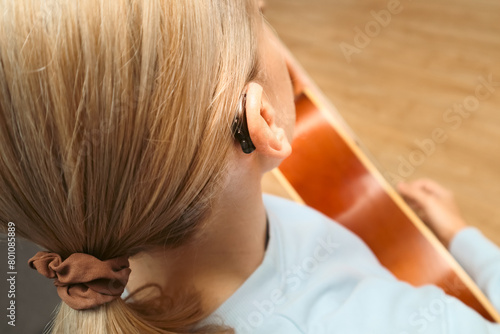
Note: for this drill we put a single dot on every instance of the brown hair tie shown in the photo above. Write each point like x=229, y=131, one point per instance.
x=83, y=281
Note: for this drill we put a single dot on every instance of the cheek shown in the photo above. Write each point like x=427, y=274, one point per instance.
x=290, y=121
x=288, y=101
x=282, y=86
x=279, y=83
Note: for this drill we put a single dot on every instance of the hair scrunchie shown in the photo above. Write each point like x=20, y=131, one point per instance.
x=82, y=280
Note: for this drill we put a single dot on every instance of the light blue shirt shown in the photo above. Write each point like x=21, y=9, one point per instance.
x=318, y=277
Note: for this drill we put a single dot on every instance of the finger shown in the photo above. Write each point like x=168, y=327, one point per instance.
x=408, y=189
x=404, y=189
x=415, y=193
x=431, y=187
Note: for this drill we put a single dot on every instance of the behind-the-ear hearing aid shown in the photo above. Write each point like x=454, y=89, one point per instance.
x=240, y=127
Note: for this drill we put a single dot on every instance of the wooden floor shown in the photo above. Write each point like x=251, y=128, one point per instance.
x=419, y=84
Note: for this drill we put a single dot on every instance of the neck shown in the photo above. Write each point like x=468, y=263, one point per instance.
x=226, y=251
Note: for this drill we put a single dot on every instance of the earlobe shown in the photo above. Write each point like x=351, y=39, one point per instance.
x=268, y=137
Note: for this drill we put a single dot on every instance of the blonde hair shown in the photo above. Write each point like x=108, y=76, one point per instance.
x=115, y=131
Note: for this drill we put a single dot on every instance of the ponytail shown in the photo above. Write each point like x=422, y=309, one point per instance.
x=121, y=317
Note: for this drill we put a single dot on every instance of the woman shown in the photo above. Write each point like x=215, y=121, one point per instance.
x=119, y=156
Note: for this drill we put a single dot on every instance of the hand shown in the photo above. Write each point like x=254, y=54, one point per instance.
x=435, y=205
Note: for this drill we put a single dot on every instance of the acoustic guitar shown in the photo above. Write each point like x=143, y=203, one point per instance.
x=330, y=171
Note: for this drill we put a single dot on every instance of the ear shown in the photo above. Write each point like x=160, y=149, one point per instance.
x=269, y=139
